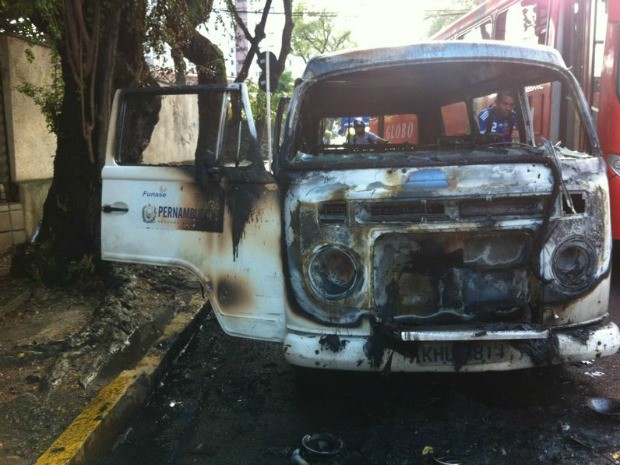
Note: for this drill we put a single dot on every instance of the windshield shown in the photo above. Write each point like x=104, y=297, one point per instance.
x=406, y=115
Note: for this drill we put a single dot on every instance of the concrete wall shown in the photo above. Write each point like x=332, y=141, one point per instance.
x=11, y=225
x=175, y=135
x=32, y=195
x=5, y=171
x=29, y=146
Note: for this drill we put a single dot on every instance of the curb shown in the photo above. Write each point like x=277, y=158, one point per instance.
x=93, y=432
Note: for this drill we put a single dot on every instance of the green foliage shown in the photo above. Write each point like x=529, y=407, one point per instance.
x=37, y=263
x=258, y=98
x=83, y=270
x=173, y=22
x=47, y=98
x=315, y=34
x=29, y=55
x=36, y=21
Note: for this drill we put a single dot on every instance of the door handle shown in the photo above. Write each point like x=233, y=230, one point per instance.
x=110, y=209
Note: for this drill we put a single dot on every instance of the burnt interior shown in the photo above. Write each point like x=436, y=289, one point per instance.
x=420, y=89
x=447, y=277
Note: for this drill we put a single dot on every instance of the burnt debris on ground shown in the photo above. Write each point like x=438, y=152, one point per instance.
x=60, y=346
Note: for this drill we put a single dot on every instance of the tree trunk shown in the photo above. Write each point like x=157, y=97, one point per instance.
x=70, y=226
x=69, y=239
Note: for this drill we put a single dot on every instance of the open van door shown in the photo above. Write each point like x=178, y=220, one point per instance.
x=184, y=184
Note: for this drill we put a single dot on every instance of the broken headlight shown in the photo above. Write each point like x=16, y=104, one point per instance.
x=573, y=263
x=333, y=272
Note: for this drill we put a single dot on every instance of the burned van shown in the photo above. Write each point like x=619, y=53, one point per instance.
x=435, y=246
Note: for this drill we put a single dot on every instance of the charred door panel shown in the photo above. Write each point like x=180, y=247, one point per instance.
x=185, y=226
x=219, y=219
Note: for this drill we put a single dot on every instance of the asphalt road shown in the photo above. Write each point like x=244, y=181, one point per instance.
x=230, y=401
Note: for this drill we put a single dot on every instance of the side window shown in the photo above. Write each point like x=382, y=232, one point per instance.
x=237, y=146
x=557, y=119
x=160, y=128
x=157, y=129
x=455, y=119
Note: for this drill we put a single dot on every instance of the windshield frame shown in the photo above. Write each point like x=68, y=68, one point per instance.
x=289, y=155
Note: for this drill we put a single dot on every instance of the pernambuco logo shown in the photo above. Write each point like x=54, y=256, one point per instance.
x=149, y=213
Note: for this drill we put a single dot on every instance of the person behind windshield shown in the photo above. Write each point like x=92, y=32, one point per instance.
x=363, y=137
x=500, y=118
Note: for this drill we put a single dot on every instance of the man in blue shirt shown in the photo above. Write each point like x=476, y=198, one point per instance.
x=501, y=118
x=363, y=137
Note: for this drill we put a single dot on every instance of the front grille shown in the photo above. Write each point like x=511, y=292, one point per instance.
x=501, y=207
x=447, y=277
x=401, y=212
x=333, y=213
x=424, y=210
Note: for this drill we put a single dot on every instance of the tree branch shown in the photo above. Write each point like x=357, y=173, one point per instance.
x=92, y=43
x=79, y=16
x=179, y=67
x=207, y=57
x=254, y=43
x=107, y=83
x=71, y=39
x=287, y=33
x=239, y=21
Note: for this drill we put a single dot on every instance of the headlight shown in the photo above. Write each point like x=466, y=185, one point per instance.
x=333, y=272
x=573, y=263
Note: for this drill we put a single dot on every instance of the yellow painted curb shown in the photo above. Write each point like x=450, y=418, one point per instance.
x=94, y=430
x=68, y=447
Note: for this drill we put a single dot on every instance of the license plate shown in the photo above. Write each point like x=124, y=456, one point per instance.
x=464, y=353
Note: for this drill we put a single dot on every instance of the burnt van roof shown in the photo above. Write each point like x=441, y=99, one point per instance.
x=436, y=51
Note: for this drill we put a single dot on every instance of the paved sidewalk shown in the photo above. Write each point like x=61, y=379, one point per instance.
x=14, y=292
x=94, y=431
x=63, y=348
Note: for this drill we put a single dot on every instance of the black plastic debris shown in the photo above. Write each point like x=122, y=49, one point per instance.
x=317, y=448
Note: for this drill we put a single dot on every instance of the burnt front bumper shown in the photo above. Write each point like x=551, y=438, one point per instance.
x=464, y=351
